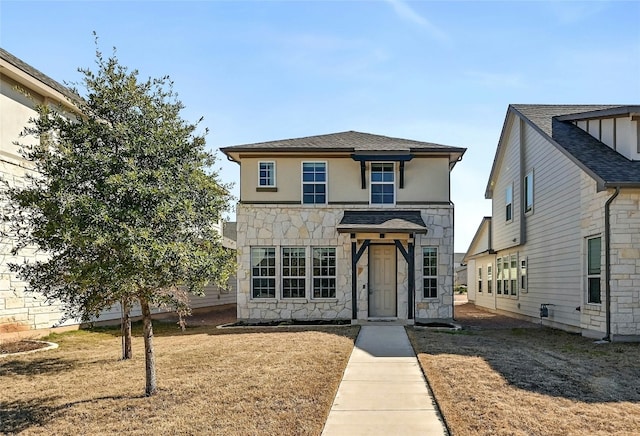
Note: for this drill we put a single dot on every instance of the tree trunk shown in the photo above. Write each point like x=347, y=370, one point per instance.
x=149, y=356
x=126, y=330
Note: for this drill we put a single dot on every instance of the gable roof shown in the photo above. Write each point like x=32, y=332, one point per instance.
x=606, y=166
x=349, y=142
x=35, y=74
x=477, y=243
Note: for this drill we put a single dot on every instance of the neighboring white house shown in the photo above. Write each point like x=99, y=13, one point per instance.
x=348, y=226
x=563, y=242
x=22, y=88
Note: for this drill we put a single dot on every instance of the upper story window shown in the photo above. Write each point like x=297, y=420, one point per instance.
x=383, y=183
x=528, y=192
x=267, y=174
x=508, y=199
x=314, y=182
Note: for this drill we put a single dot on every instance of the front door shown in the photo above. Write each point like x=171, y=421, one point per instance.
x=382, y=280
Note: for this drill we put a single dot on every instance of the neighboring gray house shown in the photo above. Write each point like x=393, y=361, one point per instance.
x=348, y=226
x=564, y=237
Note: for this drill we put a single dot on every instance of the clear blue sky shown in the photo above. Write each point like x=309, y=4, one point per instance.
x=436, y=71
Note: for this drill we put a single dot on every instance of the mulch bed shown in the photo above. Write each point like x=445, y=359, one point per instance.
x=20, y=346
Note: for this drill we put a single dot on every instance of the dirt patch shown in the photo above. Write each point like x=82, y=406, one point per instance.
x=21, y=346
x=503, y=376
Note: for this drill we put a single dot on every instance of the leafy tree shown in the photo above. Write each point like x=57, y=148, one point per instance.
x=123, y=202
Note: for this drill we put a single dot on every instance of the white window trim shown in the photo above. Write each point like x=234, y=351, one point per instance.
x=431, y=276
x=592, y=276
x=274, y=173
x=395, y=186
x=251, y=276
x=489, y=278
x=326, y=182
x=509, y=188
x=513, y=272
x=335, y=276
x=305, y=276
x=529, y=179
x=479, y=279
x=524, y=274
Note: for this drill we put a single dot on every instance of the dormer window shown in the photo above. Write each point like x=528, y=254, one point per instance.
x=383, y=183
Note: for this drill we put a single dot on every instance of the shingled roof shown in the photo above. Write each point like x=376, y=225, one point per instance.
x=38, y=75
x=608, y=167
x=346, y=142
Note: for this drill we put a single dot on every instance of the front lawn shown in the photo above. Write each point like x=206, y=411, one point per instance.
x=230, y=382
x=531, y=381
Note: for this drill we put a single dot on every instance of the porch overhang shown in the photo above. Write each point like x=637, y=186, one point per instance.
x=386, y=222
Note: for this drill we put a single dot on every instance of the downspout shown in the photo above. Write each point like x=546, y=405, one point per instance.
x=453, y=257
x=607, y=261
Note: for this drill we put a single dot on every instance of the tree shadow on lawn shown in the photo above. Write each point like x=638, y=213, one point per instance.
x=547, y=361
x=20, y=415
x=42, y=365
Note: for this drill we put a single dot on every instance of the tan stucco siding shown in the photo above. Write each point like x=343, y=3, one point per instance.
x=426, y=179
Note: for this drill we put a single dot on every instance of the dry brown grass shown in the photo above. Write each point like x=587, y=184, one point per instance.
x=268, y=381
x=530, y=381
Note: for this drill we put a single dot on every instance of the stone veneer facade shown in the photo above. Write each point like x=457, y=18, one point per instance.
x=283, y=225
x=625, y=260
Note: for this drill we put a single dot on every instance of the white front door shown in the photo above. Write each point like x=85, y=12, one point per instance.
x=382, y=280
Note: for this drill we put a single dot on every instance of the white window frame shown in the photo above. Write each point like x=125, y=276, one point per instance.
x=264, y=277
x=590, y=276
x=325, y=183
x=508, y=203
x=528, y=193
x=499, y=276
x=289, y=276
x=524, y=279
x=489, y=279
x=320, y=276
x=513, y=268
x=273, y=174
x=393, y=183
x=479, y=279
x=430, y=276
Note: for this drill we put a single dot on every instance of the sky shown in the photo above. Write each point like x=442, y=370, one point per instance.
x=434, y=71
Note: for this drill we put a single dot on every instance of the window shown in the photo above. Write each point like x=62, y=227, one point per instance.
x=528, y=192
x=514, y=274
x=594, y=262
x=293, y=272
x=324, y=273
x=508, y=212
x=383, y=186
x=523, y=274
x=314, y=182
x=267, y=174
x=489, y=279
x=430, y=272
x=499, y=276
x=480, y=279
x=263, y=272
x=505, y=275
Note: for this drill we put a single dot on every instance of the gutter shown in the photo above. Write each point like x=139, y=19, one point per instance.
x=607, y=260
x=523, y=206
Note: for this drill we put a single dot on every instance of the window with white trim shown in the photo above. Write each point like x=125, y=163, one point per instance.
x=294, y=272
x=480, y=279
x=324, y=272
x=266, y=174
x=263, y=272
x=430, y=272
x=528, y=192
x=489, y=279
x=508, y=208
x=523, y=274
x=514, y=274
x=505, y=275
x=499, y=276
x=383, y=183
x=594, y=269
x=314, y=182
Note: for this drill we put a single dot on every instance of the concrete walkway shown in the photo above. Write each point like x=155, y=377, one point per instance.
x=383, y=390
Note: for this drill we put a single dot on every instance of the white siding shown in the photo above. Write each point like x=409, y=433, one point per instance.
x=507, y=234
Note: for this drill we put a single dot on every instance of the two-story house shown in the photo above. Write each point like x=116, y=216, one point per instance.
x=345, y=226
x=563, y=243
